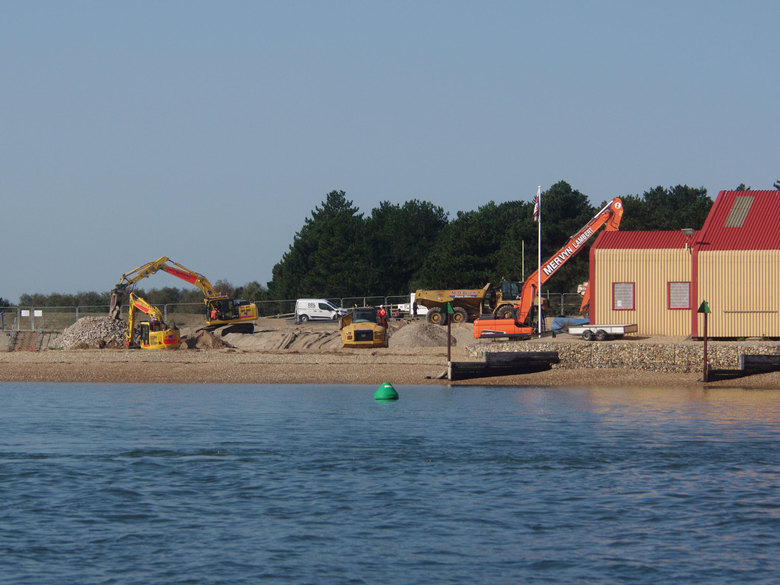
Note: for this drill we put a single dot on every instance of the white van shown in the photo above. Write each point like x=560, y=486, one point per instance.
x=316, y=310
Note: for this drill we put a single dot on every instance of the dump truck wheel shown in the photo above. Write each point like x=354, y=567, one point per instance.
x=505, y=313
x=436, y=317
x=460, y=315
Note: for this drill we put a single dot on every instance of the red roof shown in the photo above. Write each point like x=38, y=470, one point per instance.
x=640, y=240
x=742, y=220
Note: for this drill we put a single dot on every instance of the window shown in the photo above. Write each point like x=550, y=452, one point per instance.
x=622, y=296
x=679, y=296
x=739, y=211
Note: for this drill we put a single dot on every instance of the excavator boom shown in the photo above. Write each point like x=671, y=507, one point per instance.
x=220, y=309
x=609, y=217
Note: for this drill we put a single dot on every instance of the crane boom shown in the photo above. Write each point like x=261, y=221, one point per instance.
x=609, y=216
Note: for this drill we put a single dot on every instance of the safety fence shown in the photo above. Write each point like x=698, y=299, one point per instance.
x=22, y=318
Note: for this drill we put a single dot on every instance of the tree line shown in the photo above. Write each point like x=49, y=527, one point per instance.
x=398, y=248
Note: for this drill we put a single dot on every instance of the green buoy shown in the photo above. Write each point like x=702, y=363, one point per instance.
x=386, y=392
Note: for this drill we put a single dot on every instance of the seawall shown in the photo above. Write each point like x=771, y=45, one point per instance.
x=683, y=357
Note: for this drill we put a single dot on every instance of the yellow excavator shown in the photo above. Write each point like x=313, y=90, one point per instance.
x=220, y=309
x=155, y=334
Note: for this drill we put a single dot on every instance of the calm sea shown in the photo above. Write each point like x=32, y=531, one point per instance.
x=153, y=484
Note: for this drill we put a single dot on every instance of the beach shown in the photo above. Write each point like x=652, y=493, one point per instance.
x=228, y=366
x=284, y=353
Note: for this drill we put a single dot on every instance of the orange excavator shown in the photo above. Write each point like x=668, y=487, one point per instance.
x=520, y=324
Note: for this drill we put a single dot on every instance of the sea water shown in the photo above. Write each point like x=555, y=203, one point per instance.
x=322, y=484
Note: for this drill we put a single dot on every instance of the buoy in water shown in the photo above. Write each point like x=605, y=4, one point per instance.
x=386, y=392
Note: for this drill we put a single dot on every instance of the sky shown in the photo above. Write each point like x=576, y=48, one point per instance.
x=209, y=131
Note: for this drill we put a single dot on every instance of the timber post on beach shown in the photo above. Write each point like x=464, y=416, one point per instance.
x=450, y=312
x=704, y=309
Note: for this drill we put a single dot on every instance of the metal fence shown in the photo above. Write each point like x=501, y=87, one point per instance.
x=20, y=318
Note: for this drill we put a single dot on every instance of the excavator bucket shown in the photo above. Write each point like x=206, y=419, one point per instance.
x=115, y=308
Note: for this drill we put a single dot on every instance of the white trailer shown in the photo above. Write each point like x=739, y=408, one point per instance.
x=602, y=332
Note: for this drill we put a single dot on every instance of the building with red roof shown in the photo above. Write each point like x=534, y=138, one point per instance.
x=659, y=279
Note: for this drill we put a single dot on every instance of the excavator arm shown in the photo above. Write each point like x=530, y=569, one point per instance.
x=221, y=310
x=192, y=277
x=609, y=217
x=129, y=279
x=158, y=334
x=166, y=265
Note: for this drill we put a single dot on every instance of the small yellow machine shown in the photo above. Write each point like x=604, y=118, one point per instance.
x=155, y=334
x=362, y=327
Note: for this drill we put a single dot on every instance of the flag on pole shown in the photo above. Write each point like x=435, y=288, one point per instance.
x=538, y=219
x=536, y=207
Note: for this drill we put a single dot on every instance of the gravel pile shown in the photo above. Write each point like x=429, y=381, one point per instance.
x=94, y=333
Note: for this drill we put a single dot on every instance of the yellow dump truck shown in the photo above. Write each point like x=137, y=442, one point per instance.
x=363, y=327
x=469, y=304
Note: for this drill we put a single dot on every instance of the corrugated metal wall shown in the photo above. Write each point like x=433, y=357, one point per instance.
x=742, y=290
x=650, y=271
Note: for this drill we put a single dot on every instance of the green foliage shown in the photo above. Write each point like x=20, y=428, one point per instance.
x=468, y=253
x=486, y=245
x=161, y=296
x=4, y=303
x=252, y=291
x=81, y=299
x=328, y=257
x=666, y=209
x=398, y=238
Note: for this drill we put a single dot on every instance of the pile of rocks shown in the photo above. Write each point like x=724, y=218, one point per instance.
x=94, y=333
x=654, y=357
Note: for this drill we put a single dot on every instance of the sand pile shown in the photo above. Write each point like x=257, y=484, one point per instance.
x=424, y=334
x=294, y=339
x=203, y=339
x=94, y=333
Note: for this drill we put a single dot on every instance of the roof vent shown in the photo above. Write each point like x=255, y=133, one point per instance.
x=739, y=211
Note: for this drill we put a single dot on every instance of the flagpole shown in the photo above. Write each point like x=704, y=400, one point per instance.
x=539, y=260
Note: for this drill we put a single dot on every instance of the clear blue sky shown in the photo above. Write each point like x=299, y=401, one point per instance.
x=208, y=131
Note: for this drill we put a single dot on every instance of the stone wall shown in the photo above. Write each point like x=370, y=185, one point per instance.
x=657, y=357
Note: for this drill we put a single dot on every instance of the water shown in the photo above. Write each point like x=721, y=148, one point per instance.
x=321, y=484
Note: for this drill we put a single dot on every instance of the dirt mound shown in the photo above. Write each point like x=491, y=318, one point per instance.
x=204, y=340
x=424, y=334
x=94, y=333
x=295, y=339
